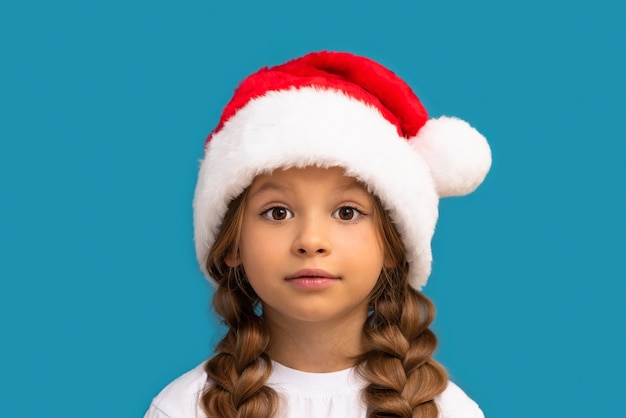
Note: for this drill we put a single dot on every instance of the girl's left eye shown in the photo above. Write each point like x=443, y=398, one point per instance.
x=347, y=213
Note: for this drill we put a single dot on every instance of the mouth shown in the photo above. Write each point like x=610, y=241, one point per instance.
x=312, y=280
x=311, y=274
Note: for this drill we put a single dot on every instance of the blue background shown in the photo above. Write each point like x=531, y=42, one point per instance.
x=104, y=107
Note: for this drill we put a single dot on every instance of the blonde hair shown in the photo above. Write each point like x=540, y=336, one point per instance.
x=402, y=377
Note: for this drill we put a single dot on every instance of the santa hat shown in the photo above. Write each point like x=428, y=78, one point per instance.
x=332, y=109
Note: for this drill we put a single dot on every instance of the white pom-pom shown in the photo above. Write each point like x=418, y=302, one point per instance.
x=459, y=157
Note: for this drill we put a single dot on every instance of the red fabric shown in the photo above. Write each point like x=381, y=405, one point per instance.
x=356, y=76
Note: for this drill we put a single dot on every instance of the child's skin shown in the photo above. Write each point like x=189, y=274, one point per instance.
x=319, y=219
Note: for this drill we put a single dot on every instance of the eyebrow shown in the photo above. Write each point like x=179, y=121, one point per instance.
x=352, y=185
x=268, y=186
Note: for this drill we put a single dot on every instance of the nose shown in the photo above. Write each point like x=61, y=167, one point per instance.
x=312, y=238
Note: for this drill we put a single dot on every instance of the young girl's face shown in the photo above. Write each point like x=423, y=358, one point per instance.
x=310, y=245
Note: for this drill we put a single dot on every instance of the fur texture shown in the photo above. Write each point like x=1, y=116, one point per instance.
x=457, y=154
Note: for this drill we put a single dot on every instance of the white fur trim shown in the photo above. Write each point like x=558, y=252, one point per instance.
x=306, y=127
x=459, y=157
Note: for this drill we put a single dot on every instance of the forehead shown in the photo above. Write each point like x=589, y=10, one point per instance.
x=285, y=179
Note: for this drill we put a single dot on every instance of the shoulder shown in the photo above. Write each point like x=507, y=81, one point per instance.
x=454, y=403
x=179, y=399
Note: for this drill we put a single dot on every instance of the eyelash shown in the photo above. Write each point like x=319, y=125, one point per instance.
x=268, y=212
x=356, y=212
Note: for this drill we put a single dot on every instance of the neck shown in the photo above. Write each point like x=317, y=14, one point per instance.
x=317, y=347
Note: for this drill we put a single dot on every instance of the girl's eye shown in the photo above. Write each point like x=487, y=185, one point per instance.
x=277, y=213
x=347, y=213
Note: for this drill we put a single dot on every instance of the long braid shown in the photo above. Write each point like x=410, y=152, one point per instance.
x=403, y=378
x=241, y=367
x=239, y=370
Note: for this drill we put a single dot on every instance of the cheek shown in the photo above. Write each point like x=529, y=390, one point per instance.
x=366, y=241
x=258, y=248
x=252, y=236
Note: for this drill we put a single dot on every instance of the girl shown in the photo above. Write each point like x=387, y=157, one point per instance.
x=313, y=214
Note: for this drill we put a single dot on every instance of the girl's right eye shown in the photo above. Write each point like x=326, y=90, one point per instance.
x=277, y=213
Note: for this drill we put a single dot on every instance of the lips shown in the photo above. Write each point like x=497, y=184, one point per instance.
x=312, y=280
x=312, y=274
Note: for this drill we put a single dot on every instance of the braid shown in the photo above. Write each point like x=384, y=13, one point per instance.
x=403, y=379
x=241, y=366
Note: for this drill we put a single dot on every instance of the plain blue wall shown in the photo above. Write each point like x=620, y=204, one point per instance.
x=104, y=107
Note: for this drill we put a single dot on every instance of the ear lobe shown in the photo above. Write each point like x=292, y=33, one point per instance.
x=232, y=261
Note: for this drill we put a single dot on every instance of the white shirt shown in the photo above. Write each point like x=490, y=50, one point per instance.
x=302, y=394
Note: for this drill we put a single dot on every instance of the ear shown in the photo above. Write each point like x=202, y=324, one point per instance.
x=232, y=260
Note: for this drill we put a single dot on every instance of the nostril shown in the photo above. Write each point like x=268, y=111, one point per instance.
x=318, y=251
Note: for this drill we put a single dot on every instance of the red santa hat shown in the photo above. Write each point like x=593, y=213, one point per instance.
x=331, y=109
